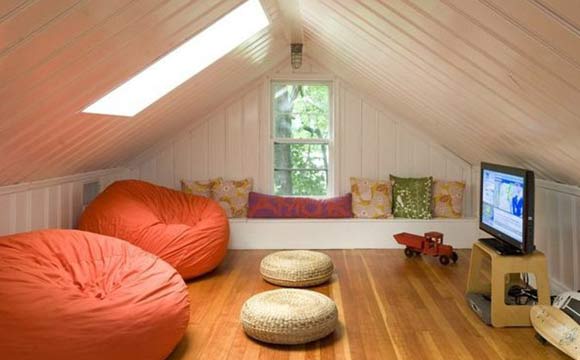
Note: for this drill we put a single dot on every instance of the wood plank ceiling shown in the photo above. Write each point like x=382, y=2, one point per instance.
x=58, y=56
x=491, y=80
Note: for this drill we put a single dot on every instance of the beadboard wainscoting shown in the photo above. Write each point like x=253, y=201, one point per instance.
x=52, y=203
x=234, y=142
x=557, y=232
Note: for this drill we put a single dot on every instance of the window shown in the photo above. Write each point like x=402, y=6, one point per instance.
x=301, y=136
x=183, y=62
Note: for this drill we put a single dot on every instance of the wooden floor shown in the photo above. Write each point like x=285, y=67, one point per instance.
x=389, y=307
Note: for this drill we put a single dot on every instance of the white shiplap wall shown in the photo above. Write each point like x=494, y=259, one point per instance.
x=225, y=143
x=232, y=142
x=557, y=232
x=374, y=143
x=52, y=203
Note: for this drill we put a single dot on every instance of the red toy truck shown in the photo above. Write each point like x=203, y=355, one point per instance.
x=429, y=244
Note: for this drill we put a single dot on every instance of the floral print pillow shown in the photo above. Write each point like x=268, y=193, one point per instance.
x=371, y=199
x=198, y=187
x=448, y=198
x=412, y=197
x=278, y=207
x=232, y=196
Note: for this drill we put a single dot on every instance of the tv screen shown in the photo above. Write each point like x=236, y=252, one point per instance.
x=507, y=205
x=503, y=203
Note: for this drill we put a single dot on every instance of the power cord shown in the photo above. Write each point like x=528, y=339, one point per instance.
x=523, y=295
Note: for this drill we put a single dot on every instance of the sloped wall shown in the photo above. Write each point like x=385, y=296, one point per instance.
x=233, y=142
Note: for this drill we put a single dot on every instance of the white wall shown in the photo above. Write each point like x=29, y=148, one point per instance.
x=233, y=142
x=375, y=143
x=557, y=232
x=226, y=143
x=52, y=203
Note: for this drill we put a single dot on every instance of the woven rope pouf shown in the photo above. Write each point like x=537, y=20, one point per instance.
x=296, y=268
x=289, y=316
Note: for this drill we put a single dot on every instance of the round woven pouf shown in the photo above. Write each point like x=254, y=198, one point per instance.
x=296, y=268
x=289, y=316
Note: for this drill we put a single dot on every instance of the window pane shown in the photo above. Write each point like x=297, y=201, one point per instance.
x=301, y=169
x=301, y=182
x=301, y=111
x=300, y=156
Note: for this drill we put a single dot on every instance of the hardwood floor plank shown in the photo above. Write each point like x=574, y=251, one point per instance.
x=390, y=307
x=341, y=350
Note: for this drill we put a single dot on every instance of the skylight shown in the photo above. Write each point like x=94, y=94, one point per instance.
x=183, y=62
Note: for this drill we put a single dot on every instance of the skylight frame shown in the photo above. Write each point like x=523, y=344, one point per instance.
x=183, y=62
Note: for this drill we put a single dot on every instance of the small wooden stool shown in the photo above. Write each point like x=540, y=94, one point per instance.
x=503, y=315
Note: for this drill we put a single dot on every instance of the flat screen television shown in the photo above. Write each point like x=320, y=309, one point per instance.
x=507, y=206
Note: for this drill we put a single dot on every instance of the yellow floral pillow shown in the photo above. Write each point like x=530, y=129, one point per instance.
x=197, y=187
x=371, y=199
x=232, y=196
x=448, y=198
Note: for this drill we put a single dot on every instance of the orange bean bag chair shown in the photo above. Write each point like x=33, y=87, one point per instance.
x=72, y=295
x=189, y=232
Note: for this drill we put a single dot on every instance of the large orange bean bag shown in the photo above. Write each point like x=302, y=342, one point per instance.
x=189, y=232
x=72, y=295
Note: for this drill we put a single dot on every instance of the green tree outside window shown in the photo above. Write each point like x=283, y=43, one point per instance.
x=301, y=122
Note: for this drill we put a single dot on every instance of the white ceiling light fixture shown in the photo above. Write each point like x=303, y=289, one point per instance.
x=183, y=62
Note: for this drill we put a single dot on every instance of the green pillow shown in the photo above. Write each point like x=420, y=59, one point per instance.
x=412, y=197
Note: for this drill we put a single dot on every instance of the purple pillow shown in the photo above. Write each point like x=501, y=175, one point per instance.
x=271, y=206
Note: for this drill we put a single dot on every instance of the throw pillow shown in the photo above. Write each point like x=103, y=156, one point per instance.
x=232, y=196
x=198, y=187
x=448, y=198
x=371, y=199
x=271, y=206
x=412, y=197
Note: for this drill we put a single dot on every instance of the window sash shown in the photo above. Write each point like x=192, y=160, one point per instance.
x=274, y=110
x=301, y=169
x=301, y=141
x=329, y=140
x=294, y=142
x=326, y=173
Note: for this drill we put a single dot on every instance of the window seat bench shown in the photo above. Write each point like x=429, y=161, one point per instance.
x=344, y=233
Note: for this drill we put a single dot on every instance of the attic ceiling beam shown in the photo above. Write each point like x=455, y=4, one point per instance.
x=292, y=17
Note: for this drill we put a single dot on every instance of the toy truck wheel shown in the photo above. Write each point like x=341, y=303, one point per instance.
x=444, y=259
x=408, y=252
x=454, y=257
x=417, y=253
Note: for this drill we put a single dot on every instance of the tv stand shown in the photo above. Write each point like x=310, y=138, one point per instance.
x=505, y=272
x=501, y=247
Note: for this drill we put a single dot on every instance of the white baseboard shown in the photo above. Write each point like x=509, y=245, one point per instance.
x=343, y=233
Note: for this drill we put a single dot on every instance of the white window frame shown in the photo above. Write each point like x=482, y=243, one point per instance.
x=331, y=189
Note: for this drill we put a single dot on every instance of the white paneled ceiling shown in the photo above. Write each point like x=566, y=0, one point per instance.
x=59, y=56
x=491, y=80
